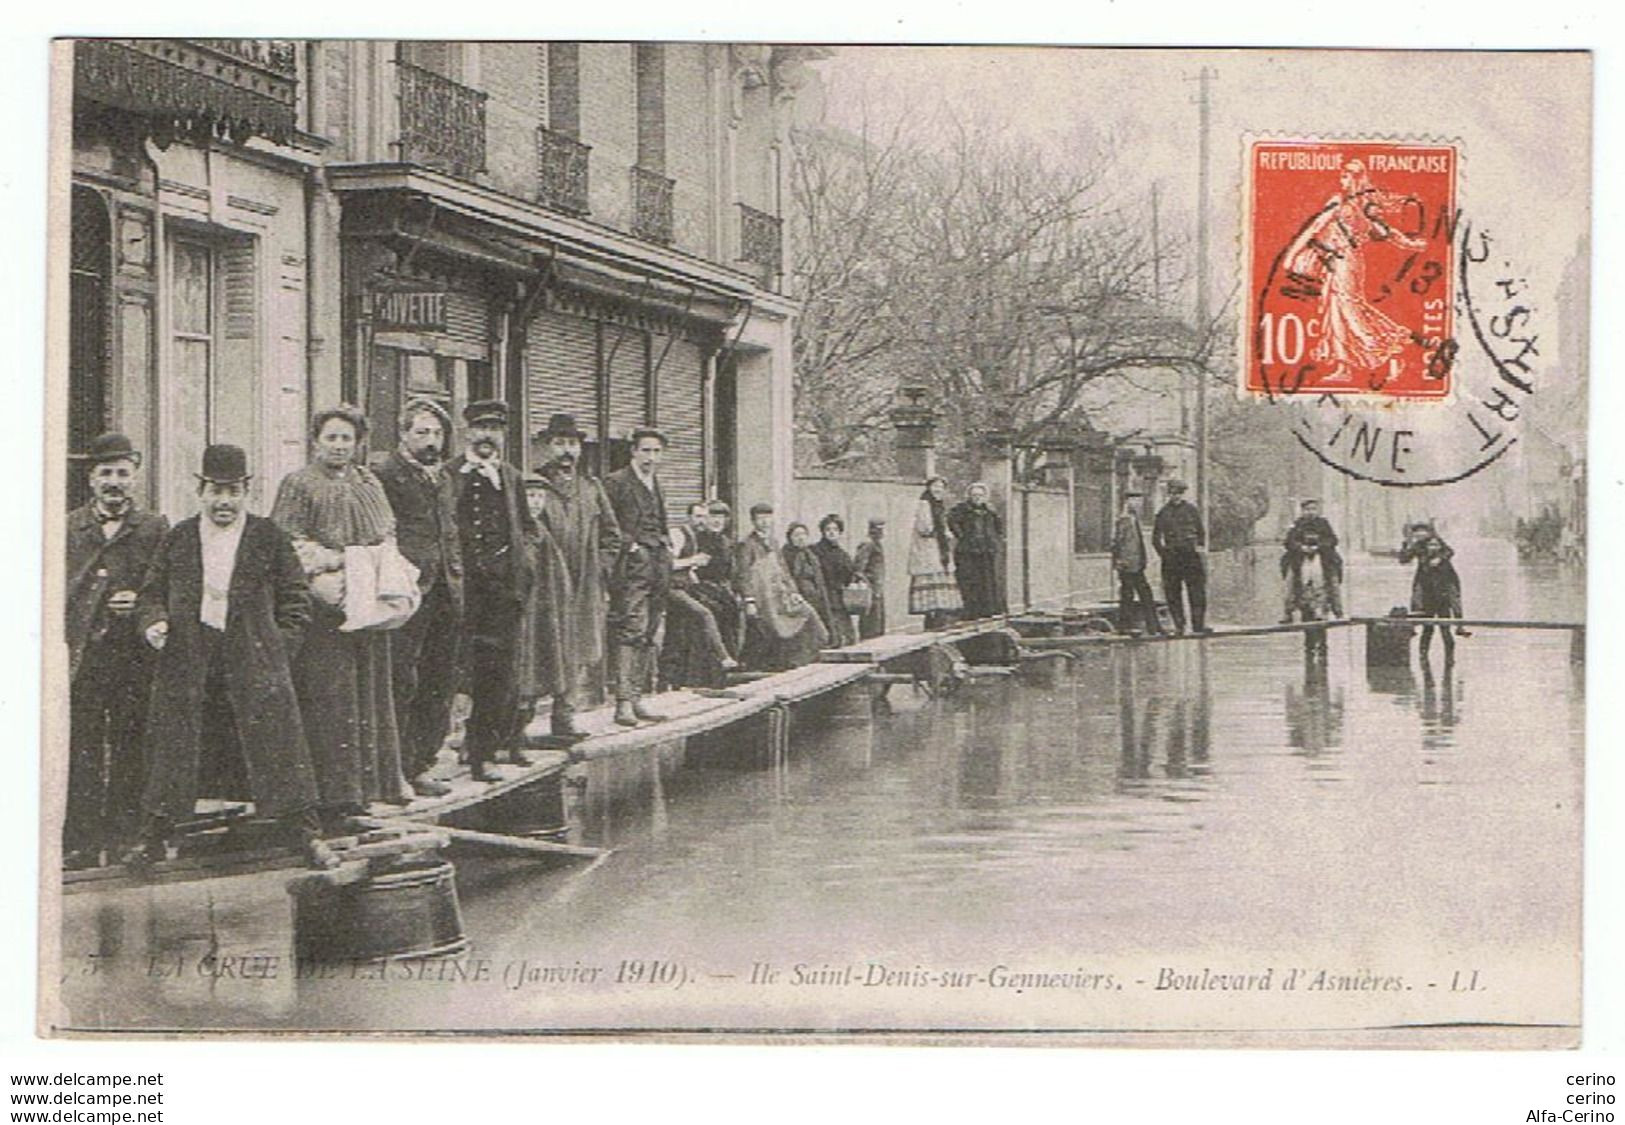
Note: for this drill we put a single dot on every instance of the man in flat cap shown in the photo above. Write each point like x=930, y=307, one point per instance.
x=495, y=530
x=568, y=626
x=637, y=593
x=870, y=561
x=110, y=544
x=423, y=651
x=1180, y=542
x=225, y=605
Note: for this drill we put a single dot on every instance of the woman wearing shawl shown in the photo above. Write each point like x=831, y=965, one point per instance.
x=802, y=562
x=932, y=589
x=786, y=627
x=342, y=679
x=839, y=570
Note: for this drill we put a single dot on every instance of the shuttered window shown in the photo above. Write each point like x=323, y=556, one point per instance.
x=627, y=353
x=680, y=418
x=561, y=366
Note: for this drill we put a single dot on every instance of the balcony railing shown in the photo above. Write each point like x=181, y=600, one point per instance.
x=651, y=205
x=195, y=88
x=761, y=240
x=442, y=122
x=561, y=168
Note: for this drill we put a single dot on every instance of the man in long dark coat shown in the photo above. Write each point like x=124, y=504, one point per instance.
x=576, y=516
x=642, y=574
x=1180, y=542
x=496, y=533
x=224, y=604
x=1311, y=524
x=978, y=552
x=423, y=651
x=1128, y=560
x=110, y=545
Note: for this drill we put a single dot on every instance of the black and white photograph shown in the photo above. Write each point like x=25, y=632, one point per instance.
x=710, y=540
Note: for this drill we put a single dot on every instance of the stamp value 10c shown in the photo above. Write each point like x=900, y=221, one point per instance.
x=1351, y=270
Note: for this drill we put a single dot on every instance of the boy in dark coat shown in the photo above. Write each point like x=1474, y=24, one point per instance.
x=225, y=603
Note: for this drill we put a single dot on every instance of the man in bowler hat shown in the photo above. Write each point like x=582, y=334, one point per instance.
x=495, y=531
x=423, y=651
x=575, y=558
x=225, y=605
x=110, y=544
x=1180, y=542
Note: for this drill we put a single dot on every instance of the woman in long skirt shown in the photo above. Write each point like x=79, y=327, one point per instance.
x=342, y=679
x=932, y=590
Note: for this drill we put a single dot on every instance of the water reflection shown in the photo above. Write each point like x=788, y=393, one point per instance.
x=1117, y=801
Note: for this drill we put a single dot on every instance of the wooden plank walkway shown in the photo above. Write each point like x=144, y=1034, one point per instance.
x=890, y=646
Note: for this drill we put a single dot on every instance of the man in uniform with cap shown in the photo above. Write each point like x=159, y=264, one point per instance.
x=495, y=529
x=1180, y=541
x=225, y=604
x=423, y=651
x=110, y=544
x=637, y=596
x=576, y=516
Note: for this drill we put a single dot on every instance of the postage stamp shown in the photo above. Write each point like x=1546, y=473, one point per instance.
x=1350, y=268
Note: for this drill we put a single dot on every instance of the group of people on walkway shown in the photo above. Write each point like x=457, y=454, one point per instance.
x=1311, y=566
x=955, y=557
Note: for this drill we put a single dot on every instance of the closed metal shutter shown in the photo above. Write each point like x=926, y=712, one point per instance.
x=628, y=378
x=561, y=366
x=468, y=319
x=680, y=416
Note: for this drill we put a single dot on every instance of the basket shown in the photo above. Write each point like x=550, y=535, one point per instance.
x=857, y=597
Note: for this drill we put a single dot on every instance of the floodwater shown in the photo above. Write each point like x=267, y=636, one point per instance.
x=1139, y=814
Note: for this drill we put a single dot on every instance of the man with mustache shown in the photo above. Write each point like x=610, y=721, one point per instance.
x=423, y=651
x=110, y=544
x=496, y=532
x=577, y=554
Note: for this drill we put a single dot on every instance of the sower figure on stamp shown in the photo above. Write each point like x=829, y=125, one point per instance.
x=1311, y=523
x=1180, y=541
x=495, y=529
x=568, y=626
x=224, y=605
x=1128, y=560
x=637, y=596
x=110, y=545
x=423, y=651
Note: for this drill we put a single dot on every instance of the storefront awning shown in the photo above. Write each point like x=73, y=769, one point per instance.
x=196, y=88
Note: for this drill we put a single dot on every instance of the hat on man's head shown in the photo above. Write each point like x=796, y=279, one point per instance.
x=486, y=410
x=110, y=446
x=417, y=406
x=719, y=508
x=224, y=464
x=761, y=508
x=1175, y=485
x=562, y=425
x=876, y=521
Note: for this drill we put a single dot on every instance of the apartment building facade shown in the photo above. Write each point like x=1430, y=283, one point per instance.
x=261, y=228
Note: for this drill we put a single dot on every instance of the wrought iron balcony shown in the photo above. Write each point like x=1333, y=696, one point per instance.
x=761, y=239
x=561, y=166
x=651, y=205
x=442, y=122
x=197, y=88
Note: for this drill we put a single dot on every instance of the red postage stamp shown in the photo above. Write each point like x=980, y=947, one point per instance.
x=1350, y=268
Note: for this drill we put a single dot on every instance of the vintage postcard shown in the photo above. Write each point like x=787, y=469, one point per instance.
x=686, y=538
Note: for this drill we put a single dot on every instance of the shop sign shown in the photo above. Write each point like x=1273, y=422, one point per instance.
x=409, y=310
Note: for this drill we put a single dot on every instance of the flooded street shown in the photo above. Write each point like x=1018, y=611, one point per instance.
x=1151, y=809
